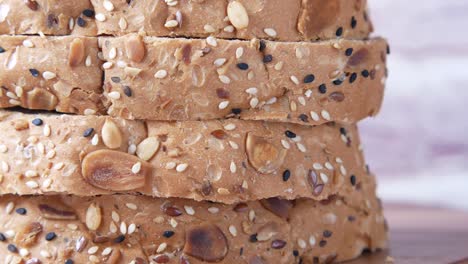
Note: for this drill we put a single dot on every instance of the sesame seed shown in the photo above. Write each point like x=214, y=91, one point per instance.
x=309, y=78
x=337, y=82
x=239, y=52
x=243, y=66
x=21, y=211
x=28, y=43
x=223, y=105
x=353, y=77
x=211, y=41
x=108, y=5
x=48, y=75
x=229, y=29
x=209, y=28
x=324, y=177
x=322, y=88
x=270, y=32
x=388, y=49
x=339, y=32
x=112, y=53
x=2, y=237
x=267, y=58
x=88, y=132
x=251, y=90
x=2, y=50
x=294, y=79
x=46, y=131
x=95, y=140
x=160, y=74
x=37, y=122
x=224, y=79
x=325, y=115
x=50, y=236
x=286, y=175
x=119, y=239
x=127, y=91
x=131, y=229
x=81, y=22
x=254, y=102
x=365, y=73
x=100, y=17
x=168, y=234
x=353, y=180
x=181, y=167
x=12, y=248
x=88, y=13
x=171, y=23
x=114, y=95
x=314, y=116
x=301, y=147
x=312, y=241
x=136, y=168
x=353, y=22
x=290, y=134
x=219, y=62
x=322, y=243
x=106, y=251
x=32, y=184
x=349, y=52
x=301, y=243
x=236, y=111
x=34, y=72
x=262, y=45
x=189, y=210
x=233, y=230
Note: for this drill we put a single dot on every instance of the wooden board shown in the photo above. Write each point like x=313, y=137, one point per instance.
x=421, y=235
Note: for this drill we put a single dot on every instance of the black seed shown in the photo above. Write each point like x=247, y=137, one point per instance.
x=304, y=118
x=68, y=261
x=115, y=79
x=262, y=45
x=343, y=131
x=88, y=132
x=351, y=218
x=327, y=233
x=367, y=169
x=388, y=49
x=365, y=73
x=119, y=239
x=50, y=236
x=337, y=82
x=286, y=175
x=353, y=22
x=309, y=78
x=243, y=66
x=290, y=134
x=127, y=91
x=81, y=22
x=353, y=77
x=236, y=111
x=339, y=32
x=37, y=122
x=2, y=50
x=322, y=243
x=267, y=58
x=295, y=253
x=253, y=238
x=353, y=180
x=88, y=13
x=34, y=72
x=322, y=88
x=21, y=211
x=168, y=234
x=241, y=251
x=12, y=248
x=349, y=52
x=2, y=237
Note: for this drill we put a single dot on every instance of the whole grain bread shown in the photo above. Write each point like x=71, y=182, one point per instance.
x=199, y=79
x=284, y=20
x=49, y=17
x=54, y=73
x=224, y=161
x=138, y=229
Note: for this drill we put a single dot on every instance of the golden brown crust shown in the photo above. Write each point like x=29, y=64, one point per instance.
x=123, y=228
x=54, y=73
x=49, y=17
x=224, y=161
x=194, y=79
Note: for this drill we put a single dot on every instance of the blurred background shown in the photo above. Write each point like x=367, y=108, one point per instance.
x=418, y=145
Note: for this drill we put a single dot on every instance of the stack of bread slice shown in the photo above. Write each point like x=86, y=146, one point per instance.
x=187, y=131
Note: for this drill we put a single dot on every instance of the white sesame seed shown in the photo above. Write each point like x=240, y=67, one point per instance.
x=121, y=64
x=294, y=79
x=301, y=147
x=230, y=127
x=132, y=149
x=211, y=41
x=123, y=23
x=46, y=131
x=28, y=43
x=93, y=250
x=24, y=252
x=270, y=32
x=181, y=167
x=114, y=95
x=113, y=228
x=59, y=166
x=51, y=154
x=189, y=210
x=71, y=23
x=245, y=185
x=213, y=210
x=339, y=160
x=95, y=140
x=324, y=177
x=224, y=79
x=233, y=167
x=279, y=66
x=293, y=106
x=131, y=229
x=314, y=116
x=112, y=53
x=14, y=102
x=160, y=74
x=3, y=149
x=32, y=184
x=223, y=191
x=11, y=95
x=301, y=243
x=271, y=101
x=317, y=166
x=48, y=75
x=106, y=251
x=170, y=165
x=233, y=145
x=88, y=61
x=171, y=23
x=123, y=228
x=328, y=165
x=161, y=247
x=108, y=5
x=254, y=102
x=233, y=230
x=19, y=91
x=312, y=241
x=223, y=105
x=136, y=167
x=72, y=226
x=115, y=216
x=285, y=144
x=326, y=115
x=301, y=100
x=45, y=254
x=239, y=52
x=46, y=184
x=329, y=218
x=173, y=223
x=107, y=65
x=343, y=170
x=131, y=206
x=9, y=207
x=251, y=90
x=209, y=28
x=219, y=62
x=100, y=17
x=308, y=93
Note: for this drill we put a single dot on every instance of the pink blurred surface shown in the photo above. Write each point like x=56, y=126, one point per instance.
x=418, y=145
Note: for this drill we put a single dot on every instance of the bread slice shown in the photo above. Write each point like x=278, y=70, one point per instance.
x=284, y=20
x=224, y=161
x=54, y=73
x=139, y=229
x=49, y=17
x=197, y=79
